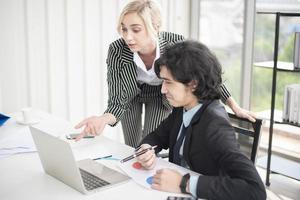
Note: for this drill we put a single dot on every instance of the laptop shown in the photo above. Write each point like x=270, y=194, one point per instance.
x=87, y=176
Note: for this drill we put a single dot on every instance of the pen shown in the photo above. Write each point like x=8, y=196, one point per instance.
x=137, y=154
x=137, y=149
x=102, y=157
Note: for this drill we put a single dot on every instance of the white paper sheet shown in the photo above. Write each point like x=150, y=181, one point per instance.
x=16, y=138
x=141, y=175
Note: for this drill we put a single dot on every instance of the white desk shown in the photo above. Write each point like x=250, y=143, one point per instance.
x=22, y=175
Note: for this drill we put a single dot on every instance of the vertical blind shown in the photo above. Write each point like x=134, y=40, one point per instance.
x=52, y=52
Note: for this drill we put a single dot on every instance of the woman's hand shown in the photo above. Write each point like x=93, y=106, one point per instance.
x=147, y=159
x=240, y=112
x=94, y=125
x=167, y=180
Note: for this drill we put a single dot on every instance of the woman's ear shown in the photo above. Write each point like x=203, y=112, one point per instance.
x=156, y=28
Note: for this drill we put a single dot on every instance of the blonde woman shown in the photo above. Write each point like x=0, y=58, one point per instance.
x=131, y=79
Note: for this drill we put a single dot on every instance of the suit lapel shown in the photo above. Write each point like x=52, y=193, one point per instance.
x=162, y=44
x=190, y=131
x=174, y=134
x=127, y=55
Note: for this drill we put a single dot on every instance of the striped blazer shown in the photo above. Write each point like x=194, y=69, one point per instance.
x=122, y=76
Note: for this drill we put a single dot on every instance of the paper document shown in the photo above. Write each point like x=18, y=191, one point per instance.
x=15, y=139
x=143, y=176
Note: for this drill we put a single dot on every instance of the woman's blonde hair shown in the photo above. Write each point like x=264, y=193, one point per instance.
x=148, y=10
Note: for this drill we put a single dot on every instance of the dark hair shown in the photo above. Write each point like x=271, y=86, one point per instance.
x=190, y=60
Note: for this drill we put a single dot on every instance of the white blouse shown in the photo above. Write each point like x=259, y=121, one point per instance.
x=147, y=76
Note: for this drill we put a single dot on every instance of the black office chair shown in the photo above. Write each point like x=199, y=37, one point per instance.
x=248, y=135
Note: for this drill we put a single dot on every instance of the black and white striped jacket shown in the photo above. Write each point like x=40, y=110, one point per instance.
x=122, y=76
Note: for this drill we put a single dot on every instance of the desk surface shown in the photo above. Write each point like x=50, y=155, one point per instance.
x=22, y=175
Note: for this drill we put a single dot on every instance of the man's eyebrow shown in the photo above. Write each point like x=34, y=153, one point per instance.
x=166, y=79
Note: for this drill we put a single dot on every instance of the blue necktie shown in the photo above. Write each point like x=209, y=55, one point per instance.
x=178, y=144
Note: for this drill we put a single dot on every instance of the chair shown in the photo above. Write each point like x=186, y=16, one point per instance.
x=248, y=135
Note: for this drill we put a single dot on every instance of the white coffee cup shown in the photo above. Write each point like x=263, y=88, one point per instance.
x=27, y=115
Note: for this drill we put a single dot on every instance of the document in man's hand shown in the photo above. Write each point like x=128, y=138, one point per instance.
x=3, y=119
x=143, y=176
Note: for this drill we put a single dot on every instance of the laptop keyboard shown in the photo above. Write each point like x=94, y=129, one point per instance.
x=91, y=181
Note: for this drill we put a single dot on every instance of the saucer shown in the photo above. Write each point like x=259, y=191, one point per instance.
x=31, y=122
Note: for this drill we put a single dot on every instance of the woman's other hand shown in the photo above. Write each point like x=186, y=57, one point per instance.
x=240, y=112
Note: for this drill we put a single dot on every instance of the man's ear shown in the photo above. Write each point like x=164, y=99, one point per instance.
x=193, y=85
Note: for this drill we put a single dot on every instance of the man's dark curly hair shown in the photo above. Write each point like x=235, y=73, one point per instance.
x=190, y=60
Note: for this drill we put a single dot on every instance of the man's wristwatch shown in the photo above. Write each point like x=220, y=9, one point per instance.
x=183, y=183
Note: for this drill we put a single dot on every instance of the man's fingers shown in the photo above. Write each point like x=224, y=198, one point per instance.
x=149, y=164
x=155, y=186
x=155, y=180
x=148, y=158
x=145, y=156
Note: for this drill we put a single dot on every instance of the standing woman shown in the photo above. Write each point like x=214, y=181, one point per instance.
x=131, y=79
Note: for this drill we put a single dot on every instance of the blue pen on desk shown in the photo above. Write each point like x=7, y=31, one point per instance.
x=104, y=157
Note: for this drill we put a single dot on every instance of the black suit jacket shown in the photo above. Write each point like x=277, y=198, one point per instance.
x=210, y=148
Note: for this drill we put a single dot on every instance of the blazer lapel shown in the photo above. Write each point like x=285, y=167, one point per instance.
x=127, y=55
x=162, y=44
x=190, y=131
x=128, y=70
x=174, y=132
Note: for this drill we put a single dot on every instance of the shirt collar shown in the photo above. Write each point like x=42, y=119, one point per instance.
x=188, y=115
x=139, y=62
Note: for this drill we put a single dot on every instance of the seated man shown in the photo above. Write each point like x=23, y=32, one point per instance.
x=198, y=132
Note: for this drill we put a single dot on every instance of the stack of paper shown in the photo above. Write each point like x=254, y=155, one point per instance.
x=15, y=139
x=291, y=104
x=297, y=50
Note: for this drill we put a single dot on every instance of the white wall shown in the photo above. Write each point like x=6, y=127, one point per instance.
x=52, y=52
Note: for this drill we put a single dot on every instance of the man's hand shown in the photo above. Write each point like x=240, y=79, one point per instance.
x=167, y=180
x=147, y=159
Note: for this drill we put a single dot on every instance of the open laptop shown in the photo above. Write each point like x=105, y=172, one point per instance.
x=86, y=176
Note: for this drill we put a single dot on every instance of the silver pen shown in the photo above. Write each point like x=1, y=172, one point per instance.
x=137, y=154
